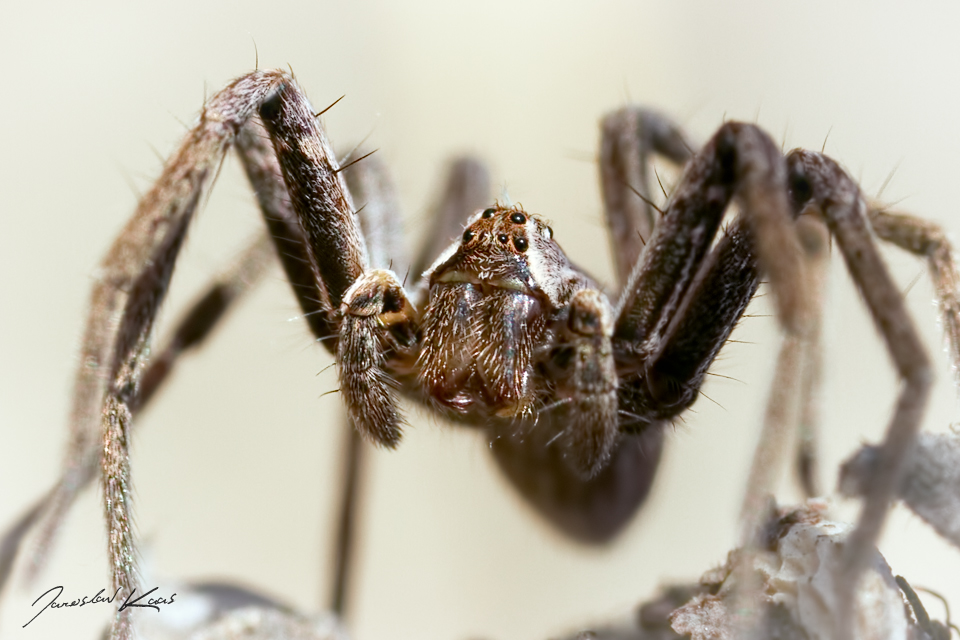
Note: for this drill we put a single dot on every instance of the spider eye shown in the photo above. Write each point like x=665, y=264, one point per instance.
x=467, y=235
x=488, y=213
x=520, y=243
x=548, y=233
x=502, y=238
x=518, y=218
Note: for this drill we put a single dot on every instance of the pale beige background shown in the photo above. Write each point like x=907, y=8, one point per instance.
x=234, y=465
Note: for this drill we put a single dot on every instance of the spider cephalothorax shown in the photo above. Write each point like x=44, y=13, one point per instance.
x=494, y=302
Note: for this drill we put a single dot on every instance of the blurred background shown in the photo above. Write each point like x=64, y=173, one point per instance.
x=236, y=464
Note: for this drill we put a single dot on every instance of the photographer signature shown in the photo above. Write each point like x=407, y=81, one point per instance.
x=130, y=602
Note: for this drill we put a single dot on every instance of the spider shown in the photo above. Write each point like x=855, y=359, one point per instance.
x=573, y=384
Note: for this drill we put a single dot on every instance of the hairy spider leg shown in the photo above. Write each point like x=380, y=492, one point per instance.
x=817, y=179
x=815, y=239
x=283, y=226
x=377, y=321
x=677, y=310
x=380, y=219
x=927, y=240
x=131, y=287
x=191, y=331
x=630, y=138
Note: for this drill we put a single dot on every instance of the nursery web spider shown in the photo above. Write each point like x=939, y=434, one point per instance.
x=574, y=384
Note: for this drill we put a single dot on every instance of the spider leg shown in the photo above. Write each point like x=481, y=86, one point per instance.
x=12, y=539
x=583, y=372
x=726, y=281
x=377, y=321
x=345, y=536
x=380, y=222
x=930, y=485
x=318, y=193
x=680, y=305
x=817, y=179
x=629, y=139
x=263, y=171
x=814, y=238
x=926, y=239
x=916, y=235
x=192, y=330
x=137, y=272
x=791, y=403
x=130, y=288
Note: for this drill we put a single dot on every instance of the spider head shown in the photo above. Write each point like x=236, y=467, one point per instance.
x=507, y=248
x=494, y=296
